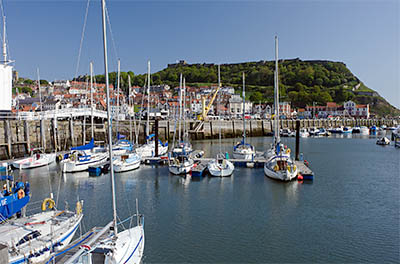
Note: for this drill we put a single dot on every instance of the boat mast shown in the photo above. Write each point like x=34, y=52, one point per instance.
x=40, y=94
x=91, y=99
x=276, y=134
x=244, y=108
x=103, y=8
x=184, y=109
x=180, y=109
x=220, y=123
x=148, y=100
x=4, y=41
x=118, y=85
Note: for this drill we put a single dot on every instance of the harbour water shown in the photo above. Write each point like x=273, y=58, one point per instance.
x=349, y=213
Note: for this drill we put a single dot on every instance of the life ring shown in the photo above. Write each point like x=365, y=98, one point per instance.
x=78, y=208
x=72, y=157
x=48, y=203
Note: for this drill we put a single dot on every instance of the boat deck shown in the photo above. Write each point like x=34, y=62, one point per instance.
x=89, y=239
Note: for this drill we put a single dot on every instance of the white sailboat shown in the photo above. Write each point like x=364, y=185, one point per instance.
x=279, y=166
x=127, y=162
x=243, y=150
x=37, y=159
x=184, y=147
x=220, y=166
x=179, y=161
x=147, y=150
x=34, y=161
x=118, y=247
x=81, y=157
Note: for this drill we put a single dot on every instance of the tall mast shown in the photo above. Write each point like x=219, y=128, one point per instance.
x=180, y=108
x=91, y=99
x=103, y=8
x=184, y=108
x=220, y=123
x=276, y=135
x=40, y=94
x=4, y=40
x=118, y=85
x=244, y=108
x=148, y=100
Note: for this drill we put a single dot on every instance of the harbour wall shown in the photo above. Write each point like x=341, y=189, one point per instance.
x=18, y=137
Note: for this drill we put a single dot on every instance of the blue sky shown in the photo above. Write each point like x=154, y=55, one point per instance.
x=363, y=34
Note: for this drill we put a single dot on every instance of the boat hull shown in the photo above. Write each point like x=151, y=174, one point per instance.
x=32, y=162
x=124, y=166
x=74, y=166
x=218, y=170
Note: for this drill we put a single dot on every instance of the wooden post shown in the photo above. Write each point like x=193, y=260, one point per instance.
x=55, y=134
x=42, y=134
x=251, y=130
x=84, y=130
x=71, y=131
x=156, y=138
x=211, y=129
x=262, y=127
x=8, y=137
x=27, y=137
x=297, y=139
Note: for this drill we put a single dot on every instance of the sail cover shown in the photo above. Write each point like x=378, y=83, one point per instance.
x=88, y=146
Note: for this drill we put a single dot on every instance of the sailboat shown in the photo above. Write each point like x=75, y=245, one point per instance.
x=184, y=147
x=117, y=247
x=81, y=157
x=243, y=150
x=179, y=161
x=38, y=158
x=220, y=166
x=279, y=166
x=148, y=149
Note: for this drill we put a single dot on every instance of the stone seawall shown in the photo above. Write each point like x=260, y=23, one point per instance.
x=17, y=137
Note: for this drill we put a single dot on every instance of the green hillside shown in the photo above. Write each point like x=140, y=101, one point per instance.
x=301, y=82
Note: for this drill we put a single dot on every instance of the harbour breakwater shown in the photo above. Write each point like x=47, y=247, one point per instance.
x=18, y=137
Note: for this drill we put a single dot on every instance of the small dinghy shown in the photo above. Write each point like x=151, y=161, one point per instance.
x=383, y=141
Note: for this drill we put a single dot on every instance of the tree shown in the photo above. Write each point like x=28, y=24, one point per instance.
x=256, y=97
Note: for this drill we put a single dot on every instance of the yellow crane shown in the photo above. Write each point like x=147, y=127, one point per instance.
x=206, y=109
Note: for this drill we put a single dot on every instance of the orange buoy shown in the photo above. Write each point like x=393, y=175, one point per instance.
x=300, y=177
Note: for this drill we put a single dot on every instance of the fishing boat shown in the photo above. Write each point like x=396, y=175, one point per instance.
x=81, y=157
x=110, y=245
x=127, y=162
x=35, y=160
x=279, y=167
x=383, y=141
x=243, y=150
x=11, y=203
x=220, y=166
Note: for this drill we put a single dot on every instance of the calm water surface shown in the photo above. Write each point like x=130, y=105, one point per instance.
x=350, y=213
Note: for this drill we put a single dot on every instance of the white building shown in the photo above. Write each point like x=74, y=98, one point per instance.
x=235, y=106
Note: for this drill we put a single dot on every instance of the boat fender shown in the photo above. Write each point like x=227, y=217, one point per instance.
x=78, y=208
x=276, y=167
x=48, y=203
x=60, y=157
x=294, y=168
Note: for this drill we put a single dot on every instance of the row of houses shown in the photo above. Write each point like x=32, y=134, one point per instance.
x=73, y=94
